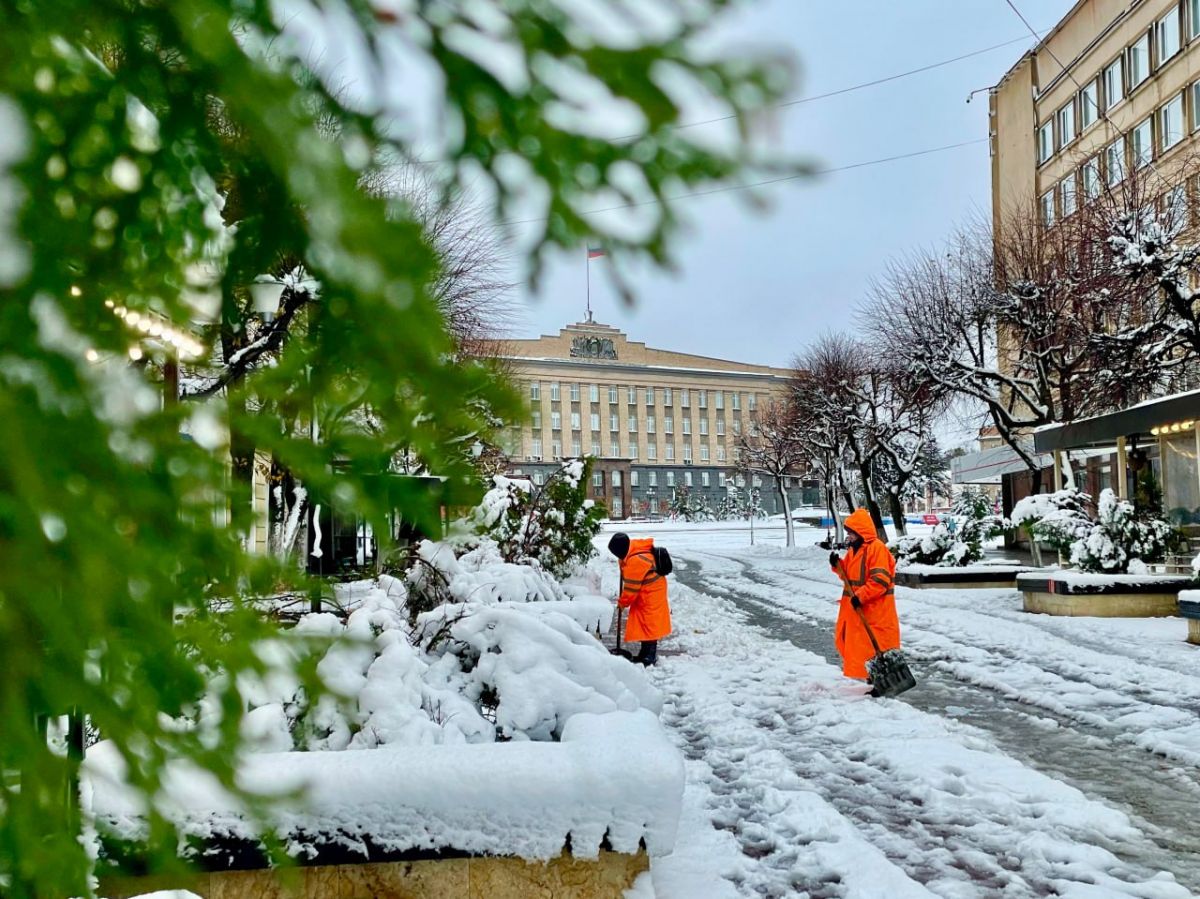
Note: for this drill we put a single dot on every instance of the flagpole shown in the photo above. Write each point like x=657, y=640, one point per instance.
x=587, y=263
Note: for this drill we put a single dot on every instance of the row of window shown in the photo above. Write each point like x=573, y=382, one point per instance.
x=686, y=479
x=1150, y=138
x=649, y=395
x=632, y=451
x=631, y=424
x=1119, y=78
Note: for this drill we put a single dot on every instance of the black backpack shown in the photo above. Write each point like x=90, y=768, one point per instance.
x=662, y=561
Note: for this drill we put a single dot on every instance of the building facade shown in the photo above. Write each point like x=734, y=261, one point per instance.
x=659, y=424
x=1112, y=91
x=1109, y=98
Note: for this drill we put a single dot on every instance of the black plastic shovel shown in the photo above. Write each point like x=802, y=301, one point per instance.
x=888, y=671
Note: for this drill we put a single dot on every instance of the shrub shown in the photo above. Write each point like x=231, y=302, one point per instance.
x=957, y=539
x=1120, y=539
x=1058, y=519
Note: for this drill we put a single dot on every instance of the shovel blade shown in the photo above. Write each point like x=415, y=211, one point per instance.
x=890, y=674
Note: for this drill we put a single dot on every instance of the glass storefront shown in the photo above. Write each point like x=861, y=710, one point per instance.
x=1181, y=494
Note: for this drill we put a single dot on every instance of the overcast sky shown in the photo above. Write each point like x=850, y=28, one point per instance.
x=757, y=287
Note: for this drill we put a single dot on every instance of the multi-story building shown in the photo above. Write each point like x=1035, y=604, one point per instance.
x=1113, y=90
x=1108, y=99
x=657, y=422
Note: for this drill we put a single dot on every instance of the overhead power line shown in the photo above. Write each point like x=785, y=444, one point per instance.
x=779, y=180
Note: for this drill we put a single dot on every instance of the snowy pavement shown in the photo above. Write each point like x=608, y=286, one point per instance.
x=1038, y=757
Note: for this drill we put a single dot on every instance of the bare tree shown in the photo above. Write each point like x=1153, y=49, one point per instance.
x=770, y=447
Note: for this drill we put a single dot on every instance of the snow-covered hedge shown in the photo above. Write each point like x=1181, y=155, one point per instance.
x=957, y=539
x=1057, y=519
x=1120, y=540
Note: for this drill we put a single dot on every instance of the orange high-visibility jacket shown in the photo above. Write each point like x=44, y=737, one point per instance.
x=644, y=593
x=871, y=572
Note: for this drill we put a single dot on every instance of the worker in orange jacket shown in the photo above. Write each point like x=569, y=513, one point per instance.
x=868, y=573
x=643, y=593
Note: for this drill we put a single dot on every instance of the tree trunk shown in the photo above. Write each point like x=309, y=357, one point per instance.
x=789, y=527
x=864, y=471
x=898, y=516
x=831, y=505
x=241, y=453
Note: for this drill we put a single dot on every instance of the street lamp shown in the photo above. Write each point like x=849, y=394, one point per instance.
x=265, y=294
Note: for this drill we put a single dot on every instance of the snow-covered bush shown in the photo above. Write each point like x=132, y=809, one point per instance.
x=552, y=525
x=957, y=539
x=1058, y=519
x=1120, y=541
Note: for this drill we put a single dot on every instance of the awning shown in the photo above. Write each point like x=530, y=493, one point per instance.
x=987, y=466
x=1103, y=430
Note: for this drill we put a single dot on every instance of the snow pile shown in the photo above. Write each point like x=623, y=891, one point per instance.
x=480, y=575
x=613, y=777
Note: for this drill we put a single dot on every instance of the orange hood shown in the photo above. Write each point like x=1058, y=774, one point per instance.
x=860, y=522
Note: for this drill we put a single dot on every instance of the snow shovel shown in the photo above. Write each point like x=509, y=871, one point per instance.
x=617, y=650
x=888, y=671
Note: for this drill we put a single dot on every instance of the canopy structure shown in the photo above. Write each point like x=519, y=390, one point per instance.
x=1148, y=418
x=990, y=465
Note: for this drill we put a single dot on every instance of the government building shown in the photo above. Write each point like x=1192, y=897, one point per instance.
x=656, y=421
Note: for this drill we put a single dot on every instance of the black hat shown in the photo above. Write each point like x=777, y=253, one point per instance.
x=619, y=545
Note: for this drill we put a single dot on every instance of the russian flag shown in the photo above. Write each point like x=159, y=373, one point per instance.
x=595, y=252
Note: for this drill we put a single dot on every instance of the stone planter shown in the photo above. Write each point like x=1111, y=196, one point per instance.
x=1189, y=608
x=967, y=577
x=1102, y=595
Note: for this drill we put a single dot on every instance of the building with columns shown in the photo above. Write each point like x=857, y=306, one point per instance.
x=656, y=421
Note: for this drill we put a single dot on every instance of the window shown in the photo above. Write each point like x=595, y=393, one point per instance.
x=556, y=448
x=740, y=480
x=720, y=427
x=595, y=421
x=574, y=393
x=669, y=424
x=733, y=402
x=670, y=479
x=649, y=424
x=631, y=424
x=555, y=394
x=1114, y=161
x=670, y=452
x=614, y=422
x=594, y=393
x=1091, y=179
x=614, y=451
x=1045, y=142
x=631, y=395
x=633, y=479
x=535, y=390
x=704, y=458
x=1196, y=103
x=1166, y=35
x=575, y=425
x=687, y=479
x=556, y=421
x=737, y=426
x=687, y=426
x=536, y=421
x=1066, y=195
x=687, y=454
x=612, y=396
x=1142, y=143
x=1066, y=123
x=757, y=481
x=720, y=454
x=704, y=427
x=632, y=450
x=1047, y=208
x=720, y=480
x=618, y=507
x=651, y=452
x=535, y=446
x=1089, y=104
x=649, y=396
x=1114, y=83
x=753, y=401
x=597, y=479
x=702, y=398
x=539, y=478
x=1170, y=123
x=684, y=397
x=666, y=396
x=576, y=448
x=654, y=505
x=719, y=397
x=616, y=477
x=1193, y=18
x=1138, y=55
x=652, y=479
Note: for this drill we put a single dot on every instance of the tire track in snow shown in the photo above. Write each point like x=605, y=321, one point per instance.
x=1160, y=796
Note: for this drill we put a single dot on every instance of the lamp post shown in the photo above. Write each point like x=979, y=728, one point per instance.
x=651, y=493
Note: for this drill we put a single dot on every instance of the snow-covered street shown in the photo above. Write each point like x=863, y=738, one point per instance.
x=1038, y=756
